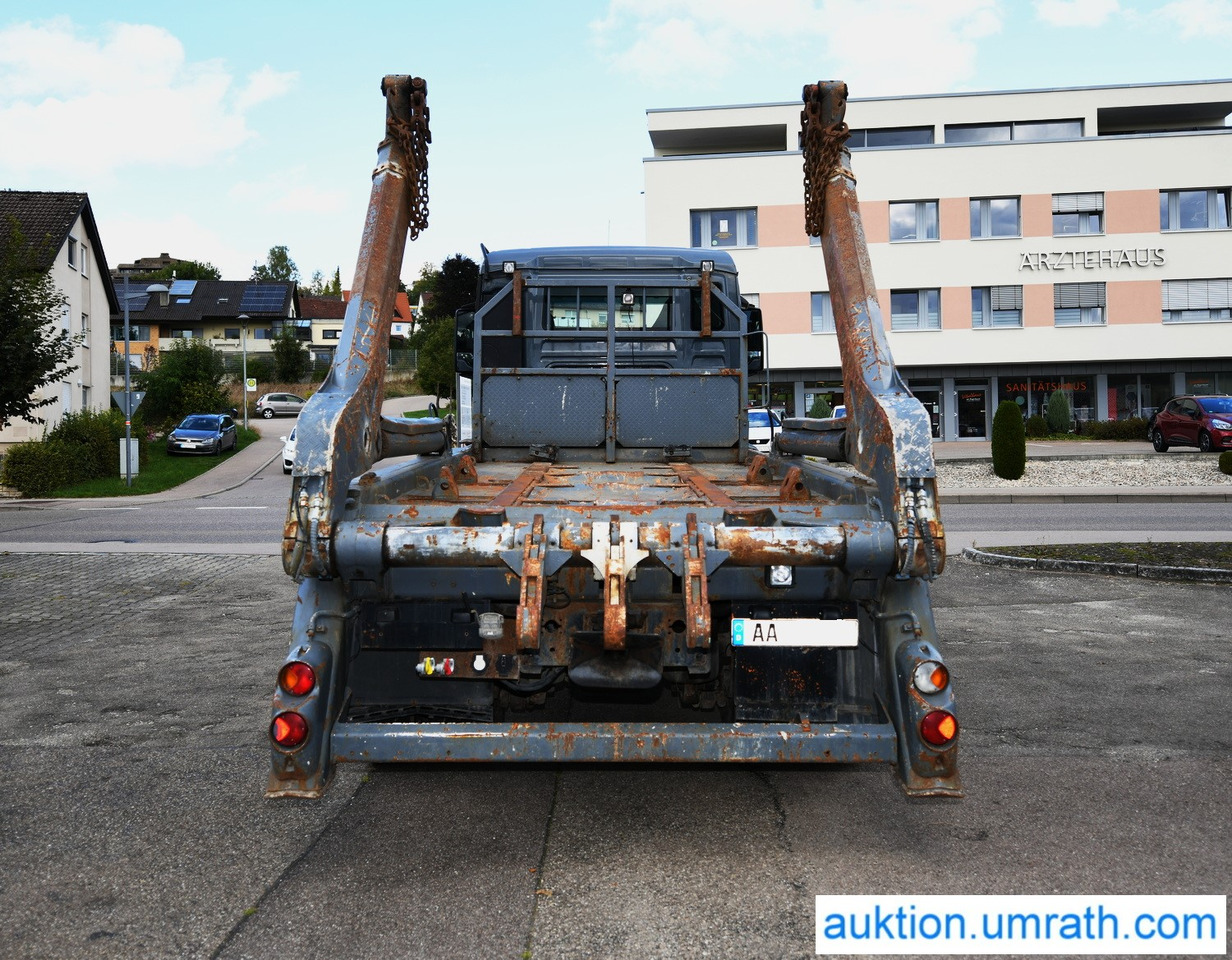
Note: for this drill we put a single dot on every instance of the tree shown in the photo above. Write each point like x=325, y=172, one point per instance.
x=454, y=288
x=278, y=266
x=188, y=379
x=320, y=287
x=291, y=358
x=1009, y=442
x=33, y=352
x=181, y=270
x=434, y=369
x=1058, y=412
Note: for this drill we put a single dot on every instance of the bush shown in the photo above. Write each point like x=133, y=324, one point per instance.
x=1225, y=462
x=95, y=435
x=37, y=467
x=1009, y=442
x=1036, y=427
x=1131, y=428
x=1058, y=412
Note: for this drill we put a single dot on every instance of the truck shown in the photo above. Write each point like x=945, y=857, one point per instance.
x=588, y=562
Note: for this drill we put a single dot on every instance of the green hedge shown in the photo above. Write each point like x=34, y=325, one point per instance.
x=1131, y=428
x=37, y=467
x=1225, y=462
x=1037, y=427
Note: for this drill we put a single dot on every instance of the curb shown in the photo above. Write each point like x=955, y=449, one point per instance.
x=1146, y=571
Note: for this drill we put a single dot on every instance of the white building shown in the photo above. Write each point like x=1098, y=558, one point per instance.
x=62, y=227
x=1021, y=241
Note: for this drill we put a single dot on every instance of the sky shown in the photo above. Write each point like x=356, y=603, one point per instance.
x=215, y=131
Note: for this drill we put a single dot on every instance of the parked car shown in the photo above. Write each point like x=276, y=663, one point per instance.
x=764, y=426
x=272, y=405
x=1202, y=422
x=203, y=433
x=288, y=450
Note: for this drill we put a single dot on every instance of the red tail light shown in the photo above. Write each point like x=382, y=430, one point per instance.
x=297, y=678
x=289, y=730
x=939, y=727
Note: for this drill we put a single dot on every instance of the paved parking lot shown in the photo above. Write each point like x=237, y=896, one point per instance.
x=134, y=694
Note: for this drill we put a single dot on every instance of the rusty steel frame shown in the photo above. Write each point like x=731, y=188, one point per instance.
x=616, y=742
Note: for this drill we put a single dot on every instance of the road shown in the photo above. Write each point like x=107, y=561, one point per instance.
x=249, y=519
x=134, y=698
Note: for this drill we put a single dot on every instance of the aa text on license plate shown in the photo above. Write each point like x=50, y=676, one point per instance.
x=747, y=632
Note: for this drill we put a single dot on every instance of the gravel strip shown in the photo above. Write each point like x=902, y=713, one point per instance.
x=1158, y=471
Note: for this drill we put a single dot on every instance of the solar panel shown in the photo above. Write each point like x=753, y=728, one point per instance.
x=183, y=288
x=263, y=298
x=136, y=302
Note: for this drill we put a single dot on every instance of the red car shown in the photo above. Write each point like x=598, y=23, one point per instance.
x=1202, y=422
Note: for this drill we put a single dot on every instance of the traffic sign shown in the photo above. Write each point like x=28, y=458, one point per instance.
x=118, y=397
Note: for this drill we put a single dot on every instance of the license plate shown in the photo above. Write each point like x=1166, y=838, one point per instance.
x=188, y=445
x=747, y=632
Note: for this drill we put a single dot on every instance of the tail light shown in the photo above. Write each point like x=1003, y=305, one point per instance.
x=939, y=727
x=289, y=730
x=297, y=678
x=931, y=677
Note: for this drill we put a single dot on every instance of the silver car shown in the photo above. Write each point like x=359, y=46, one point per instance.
x=272, y=405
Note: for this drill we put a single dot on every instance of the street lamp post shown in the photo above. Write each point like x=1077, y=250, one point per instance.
x=243, y=319
x=128, y=397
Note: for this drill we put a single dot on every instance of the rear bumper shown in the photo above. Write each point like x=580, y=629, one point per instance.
x=615, y=742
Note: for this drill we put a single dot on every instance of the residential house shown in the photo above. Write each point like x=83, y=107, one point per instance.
x=62, y=225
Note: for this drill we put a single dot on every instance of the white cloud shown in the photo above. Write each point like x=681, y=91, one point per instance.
x=1199, y=18
x=291, y=190
x=126, y=98
x=670, y=40
x=1076, y=13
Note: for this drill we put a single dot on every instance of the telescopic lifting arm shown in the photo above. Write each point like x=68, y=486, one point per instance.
x=888, y=433
x=341, y=432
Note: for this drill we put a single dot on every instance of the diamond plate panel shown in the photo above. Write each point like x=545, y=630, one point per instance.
x=676, y=411
x=565, y=411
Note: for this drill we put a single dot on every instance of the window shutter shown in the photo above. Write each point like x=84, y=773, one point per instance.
x=1070, y=295
x=1007, y=298
x=1197, y=294
x=1077, y=203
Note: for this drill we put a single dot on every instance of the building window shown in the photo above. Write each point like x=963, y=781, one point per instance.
x=72, y=252
x=724, y=228
x=330, y=334
x=995, y=217
x=1195, y=209
x=823, y=313
x=135, y=332
x=1197, y=301
x=916, y=220
x=1005, y=132
x=996, y=307
x=197, y=334
x=915, y=309
x=85, y=325
x=1078, y=304
x=1077, y=213
x=66, y=318
x=85, y=260
x=889, y=137
x=85, y=398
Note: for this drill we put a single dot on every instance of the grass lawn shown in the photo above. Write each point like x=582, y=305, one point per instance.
x=162, y=472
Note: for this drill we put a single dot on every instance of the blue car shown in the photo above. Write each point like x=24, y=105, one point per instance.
x=203, y=433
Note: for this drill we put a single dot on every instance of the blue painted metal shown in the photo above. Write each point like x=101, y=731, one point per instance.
x=615, y=742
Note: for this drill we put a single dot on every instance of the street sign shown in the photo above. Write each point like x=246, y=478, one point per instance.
x=118, y=397
x=250, y=385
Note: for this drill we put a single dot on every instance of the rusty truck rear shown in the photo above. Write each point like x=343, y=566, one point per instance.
x=590, y=563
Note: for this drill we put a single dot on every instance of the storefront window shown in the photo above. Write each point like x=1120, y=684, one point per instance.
x=1134, y=395
x=822, y=397
x=1031, y=393
x=1204, y=383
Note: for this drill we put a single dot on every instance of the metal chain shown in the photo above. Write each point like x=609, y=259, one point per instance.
x=822, y=146
x=414, y=137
